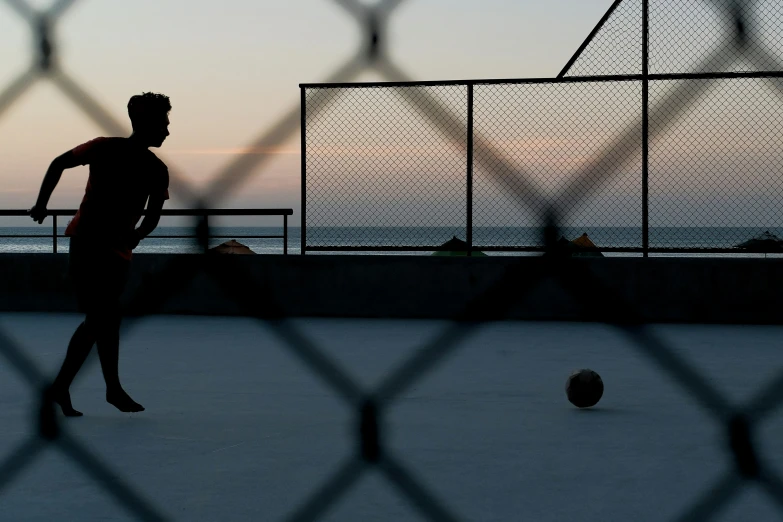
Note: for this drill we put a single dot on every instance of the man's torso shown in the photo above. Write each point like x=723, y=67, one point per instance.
x=122, y=178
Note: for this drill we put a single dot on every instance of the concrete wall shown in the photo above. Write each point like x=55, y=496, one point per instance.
x=660, y=290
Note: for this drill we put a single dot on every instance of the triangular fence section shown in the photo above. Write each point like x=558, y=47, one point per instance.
x=694, y=37
x=614, y=46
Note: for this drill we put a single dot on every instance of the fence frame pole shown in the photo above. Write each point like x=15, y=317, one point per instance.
x=54, y=233
x=206, y=231
x=303, y=155
x=469, y=217
x=645, y=129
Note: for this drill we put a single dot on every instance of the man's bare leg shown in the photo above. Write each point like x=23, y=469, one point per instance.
x=108, y=339
x=78, y=349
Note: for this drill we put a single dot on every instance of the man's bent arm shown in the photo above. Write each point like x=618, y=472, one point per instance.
x=152, y=217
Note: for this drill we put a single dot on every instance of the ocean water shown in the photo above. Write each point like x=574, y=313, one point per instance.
x=42, y=243
x=666, y=237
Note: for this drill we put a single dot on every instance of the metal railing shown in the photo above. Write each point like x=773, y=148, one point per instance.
x=203, y=214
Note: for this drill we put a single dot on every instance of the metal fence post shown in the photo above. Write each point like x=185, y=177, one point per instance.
x=285, y=234
x=303, y=124
x=206, y=231
x=645, y=129
x=54, y=233
x=469, y=217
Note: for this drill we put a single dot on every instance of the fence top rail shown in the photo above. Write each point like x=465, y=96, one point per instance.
x=174, y=212
x=565, y=79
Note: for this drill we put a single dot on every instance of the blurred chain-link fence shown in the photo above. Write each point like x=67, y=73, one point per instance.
x=505, y=172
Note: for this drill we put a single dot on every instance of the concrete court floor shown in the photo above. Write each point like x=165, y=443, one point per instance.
x=237, y=428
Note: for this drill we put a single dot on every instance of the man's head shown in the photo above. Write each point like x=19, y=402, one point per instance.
x=149, y=115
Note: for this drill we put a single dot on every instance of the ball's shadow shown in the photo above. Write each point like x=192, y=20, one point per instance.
x=599, y=410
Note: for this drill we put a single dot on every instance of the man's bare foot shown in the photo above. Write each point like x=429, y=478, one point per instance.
x=63, y=398
x=122, y=401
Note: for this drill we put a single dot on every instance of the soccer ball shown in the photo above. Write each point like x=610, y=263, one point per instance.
x=584, y=388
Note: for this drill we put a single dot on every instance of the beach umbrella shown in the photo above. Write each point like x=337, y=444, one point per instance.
x=584, y=247
x=231, y=247
x=579, y=247
x=456, y=247
x=765, y=242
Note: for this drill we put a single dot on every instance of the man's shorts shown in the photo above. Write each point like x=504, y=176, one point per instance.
x=98, y=275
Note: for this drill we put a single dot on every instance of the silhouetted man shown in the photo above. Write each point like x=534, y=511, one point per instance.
x=124, y=177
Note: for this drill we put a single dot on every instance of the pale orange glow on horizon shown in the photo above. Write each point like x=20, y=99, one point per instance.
x=236, y=151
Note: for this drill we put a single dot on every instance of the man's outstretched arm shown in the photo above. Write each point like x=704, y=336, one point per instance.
x=52, y=177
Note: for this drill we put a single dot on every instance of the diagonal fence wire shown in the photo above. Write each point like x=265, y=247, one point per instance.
x=111, y=482
x=427, y=356
x=15, y=89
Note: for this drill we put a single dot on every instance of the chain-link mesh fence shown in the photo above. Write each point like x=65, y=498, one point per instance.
x=706, y=184
x=549, y=131
x=365, y=132
x=714, y=175
x=607, y=157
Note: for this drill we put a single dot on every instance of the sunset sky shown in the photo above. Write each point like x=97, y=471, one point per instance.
x=232, y=70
